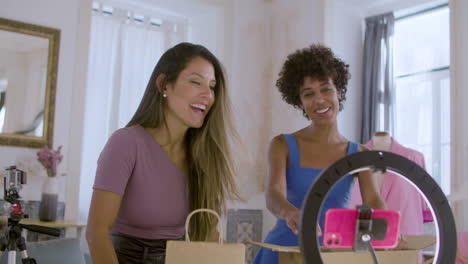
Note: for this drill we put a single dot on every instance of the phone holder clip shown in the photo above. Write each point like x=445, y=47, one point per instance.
x=363, y=234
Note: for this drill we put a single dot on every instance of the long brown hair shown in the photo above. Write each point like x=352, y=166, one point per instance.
x=210, y=176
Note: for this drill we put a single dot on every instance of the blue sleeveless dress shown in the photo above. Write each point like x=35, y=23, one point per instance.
x=298, y=182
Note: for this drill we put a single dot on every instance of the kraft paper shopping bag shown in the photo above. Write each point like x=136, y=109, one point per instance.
x=184, y=252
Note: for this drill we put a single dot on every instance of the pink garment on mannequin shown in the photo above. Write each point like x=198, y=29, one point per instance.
x=399, y=194
x=462, y=247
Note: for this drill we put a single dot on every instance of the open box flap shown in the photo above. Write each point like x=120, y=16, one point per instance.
x=276, y=247
x=414, y=243
x=420, y=242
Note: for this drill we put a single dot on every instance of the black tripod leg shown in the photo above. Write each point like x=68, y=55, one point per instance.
x=25, y=259
x=3, y=245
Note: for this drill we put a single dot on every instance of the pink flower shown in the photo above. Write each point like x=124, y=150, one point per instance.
x=50, y=159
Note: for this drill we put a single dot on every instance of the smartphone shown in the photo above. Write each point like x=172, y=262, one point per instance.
x=340, y=228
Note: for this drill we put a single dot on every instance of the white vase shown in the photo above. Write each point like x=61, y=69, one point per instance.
x=49, y=200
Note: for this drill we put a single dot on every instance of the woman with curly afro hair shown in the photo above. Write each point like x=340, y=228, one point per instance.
x=313, y=80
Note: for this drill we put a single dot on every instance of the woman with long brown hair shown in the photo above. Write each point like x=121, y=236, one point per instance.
x=173, y=157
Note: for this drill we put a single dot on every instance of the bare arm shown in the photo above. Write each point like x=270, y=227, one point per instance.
x=275, y=192
x=104, y=208
x=369, y=189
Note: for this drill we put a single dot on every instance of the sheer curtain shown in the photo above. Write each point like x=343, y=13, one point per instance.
x=377, y=75
x=141, y=49
x=123, y=53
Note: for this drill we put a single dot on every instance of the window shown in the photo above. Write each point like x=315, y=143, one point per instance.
x=422, y=88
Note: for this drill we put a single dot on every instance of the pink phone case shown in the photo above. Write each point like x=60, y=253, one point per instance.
x=340, y=228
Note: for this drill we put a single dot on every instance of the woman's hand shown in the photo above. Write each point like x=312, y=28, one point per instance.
x=292, y=220
x=402, y=243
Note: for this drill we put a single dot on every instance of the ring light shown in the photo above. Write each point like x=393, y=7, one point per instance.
x=445, y=225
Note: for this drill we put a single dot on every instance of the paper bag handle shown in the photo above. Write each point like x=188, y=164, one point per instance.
x=187, y=221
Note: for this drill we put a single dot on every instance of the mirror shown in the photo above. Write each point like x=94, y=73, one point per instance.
x=28, y=76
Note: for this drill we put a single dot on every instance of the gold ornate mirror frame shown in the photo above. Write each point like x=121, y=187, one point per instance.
x=53, y=36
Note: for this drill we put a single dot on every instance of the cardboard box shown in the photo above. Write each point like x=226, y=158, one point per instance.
x=292, y=255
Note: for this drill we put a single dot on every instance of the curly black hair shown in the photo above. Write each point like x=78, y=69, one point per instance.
x=315, y=61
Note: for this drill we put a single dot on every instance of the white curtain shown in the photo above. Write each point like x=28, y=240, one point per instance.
x=103, y=50
x=141, y=49
x=123, y=53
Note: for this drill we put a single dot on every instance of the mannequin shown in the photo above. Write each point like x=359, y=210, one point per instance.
x=398, y=194
x=382, y=141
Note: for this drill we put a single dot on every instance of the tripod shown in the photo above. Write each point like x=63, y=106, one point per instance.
x=13, y=241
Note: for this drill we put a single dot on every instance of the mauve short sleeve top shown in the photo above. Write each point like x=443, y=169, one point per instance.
x=154, y=203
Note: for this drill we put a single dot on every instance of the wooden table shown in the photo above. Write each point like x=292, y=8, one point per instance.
x=66, y=224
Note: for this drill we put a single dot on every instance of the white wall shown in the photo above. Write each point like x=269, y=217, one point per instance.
x=249, y=89
x=264, y=34
x=66, y=16
x=344, y=35
x=250, y=77
x=458, y=83
x=295, y=25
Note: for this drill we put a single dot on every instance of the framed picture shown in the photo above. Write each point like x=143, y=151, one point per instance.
x=244, y=225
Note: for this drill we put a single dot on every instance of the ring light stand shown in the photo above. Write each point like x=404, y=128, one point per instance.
x=378, y=160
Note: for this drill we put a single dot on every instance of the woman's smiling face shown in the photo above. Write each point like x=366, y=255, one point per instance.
x=191, y=96
x=319, y=99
